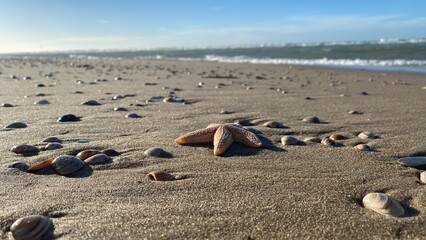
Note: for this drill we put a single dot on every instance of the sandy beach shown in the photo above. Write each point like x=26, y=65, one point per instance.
x=305, y=191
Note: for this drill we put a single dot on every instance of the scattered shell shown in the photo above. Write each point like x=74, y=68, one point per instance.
x=311, y=119
x=154, y=152
x=224, y=112
x=19, y=165
x=133, y=115
x=32, y=227
x=363, y=147
x=120, y=109
x=273, y=124
x=110, y=152
x=98, y=159
x=160, y=176
x=418, y=162
x=24, y=148
x=383, y=204
x=41, y=165
x=41, y=102
x=329, y=142
x=52, y=139
x=336, y=136
x=83, y=155
x=116, y=97
x=16, y=125
x=355, y=112
x=53, y=146
x=289, y=140
x=83, y=141
x=6, y=105
x=90, y=103
x=68, y=118
x=367, y=135
x=423, y=177
x=67, y=164
x=40, y=85
x=312, y=140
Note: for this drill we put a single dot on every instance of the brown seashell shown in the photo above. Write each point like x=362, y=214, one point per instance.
x=45, y=164
x=83, y=155
x=24, y=148
x=154, y=152
x=67, y=164
x=32, y=227
x=110, y=152
x=100, y=158
x=160, y=176
x=383, y=204
x=336, y=136
x=312, y=140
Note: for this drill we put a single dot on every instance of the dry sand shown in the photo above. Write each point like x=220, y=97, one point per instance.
x=311, y=191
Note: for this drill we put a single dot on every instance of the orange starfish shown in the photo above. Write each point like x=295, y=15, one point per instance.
x=222, y=136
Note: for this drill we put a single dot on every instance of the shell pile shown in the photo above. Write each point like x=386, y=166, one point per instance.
x=32, y=227
x=383, y=204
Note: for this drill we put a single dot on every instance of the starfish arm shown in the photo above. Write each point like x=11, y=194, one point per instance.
x=246, y=137
x=204, y=135
x=222, y=140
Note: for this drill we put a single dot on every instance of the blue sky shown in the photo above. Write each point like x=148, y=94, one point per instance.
x=54, y=25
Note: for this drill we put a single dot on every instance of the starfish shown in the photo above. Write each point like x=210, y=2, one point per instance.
x=222, y=136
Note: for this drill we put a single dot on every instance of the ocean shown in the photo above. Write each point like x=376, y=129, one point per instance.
x=407, y=55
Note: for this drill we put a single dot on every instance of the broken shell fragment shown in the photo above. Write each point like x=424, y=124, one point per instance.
x=83, y=155
x=160, y=176
x=32, y=227
x=383, y=204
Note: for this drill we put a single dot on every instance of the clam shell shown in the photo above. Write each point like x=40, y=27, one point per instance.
x=53, y=146
x=67, y=164
x=98, y=159
x=52, y=139
x=68, y=118
x=160, y=176
x=41, y=102
x=336, y=136
x=383, y=204
x=19, y=165
x=87, y=153
x=110, y=152
x=120, y=109
x=32, y=227
x=24, y=148
x=415, y=162
x=367, y=135
x=41, y=165
x=90, y=103
x=133, y=115
x=311, y=119
x=16, y=125
x=273, y=124
x=312, y=140
x=329, y=142
x=154, y=152
x=363, y=147
x=423, y=177
x=289, y=140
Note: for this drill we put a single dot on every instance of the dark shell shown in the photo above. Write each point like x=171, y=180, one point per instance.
x=110, y=152
x=19, y=165
x=311, y=119
x=24, y=148
x=53, y=146
x=418, y=162
x=98, y=159
x=68, y=118
x=160, y=176
x=133, y=115
x=120, y=109
x=41, y=102
x=67, y=164
x=90, y=103
x=16, y=125
x=52, y=139
x=154, y=152
x=336, y=136
x=6, y=105
x=83, y=155
x=32, y=227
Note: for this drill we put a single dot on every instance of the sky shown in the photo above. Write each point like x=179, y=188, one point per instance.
x=64, y=25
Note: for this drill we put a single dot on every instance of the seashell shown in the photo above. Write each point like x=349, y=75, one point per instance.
x=52, y=139
x=311, y=119
x=83, y=155
x=383, y=204
x=41, y=102
x=116, y=97
x=133, y=115
x=367, y=135
x=6, y=105
x=90, y=103
x=329, y=142
x=224, y=112
x=355, y=112
x=154, y=152
x=40, y=85
x=45, y=164
x=312, y=140
x=26, y=78
x=19, y=165
x=98, y=159
x=24, y=148
x=110, y=152
x=423, y=177
x=53, y=146
x=67, y=164
x=32, y=227
x=68, y=118
x=160, y=176
x=363, y=147
x=16, y=125
x=118, y=78
x=83, y=140
x=122, y=109
x=273, y=124
x=289, y=140
x=336, y=136
x=418, y=162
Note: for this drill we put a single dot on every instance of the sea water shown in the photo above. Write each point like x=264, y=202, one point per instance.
x=408, y=55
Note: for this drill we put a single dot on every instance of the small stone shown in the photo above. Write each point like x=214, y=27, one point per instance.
x=133, y=115
x=41, y=102
x=6, y=105
x=289, y=140
x=98, y=159
x=90, y=103
x=16, y=125
x=154, y=152
x=68, y=118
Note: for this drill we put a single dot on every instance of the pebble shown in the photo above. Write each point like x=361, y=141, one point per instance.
x=41, y=102
x=289, y=140
x=19, y=165
x=133, y=115
x=418, y=162
x=52, y=139
x=367, y=135
x=24, y=148
x=154, y=152
x=16, y=125
x=90, y=103
x=6, y=105
x=363, y=147
x=68, y=118
x=311, y=119
x=122, y=109
x=100, y=158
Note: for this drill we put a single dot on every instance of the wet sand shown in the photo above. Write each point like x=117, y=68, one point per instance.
x=307, y=191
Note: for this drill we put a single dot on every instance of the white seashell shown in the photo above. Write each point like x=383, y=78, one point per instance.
x=383, y=204
x=363, y=147
x=289, y=140
x=311, y=119
x=67, y=164
x=423, y=177
x=329, y=142
x=154, y=152
x=32, y=227
x=367, y=135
